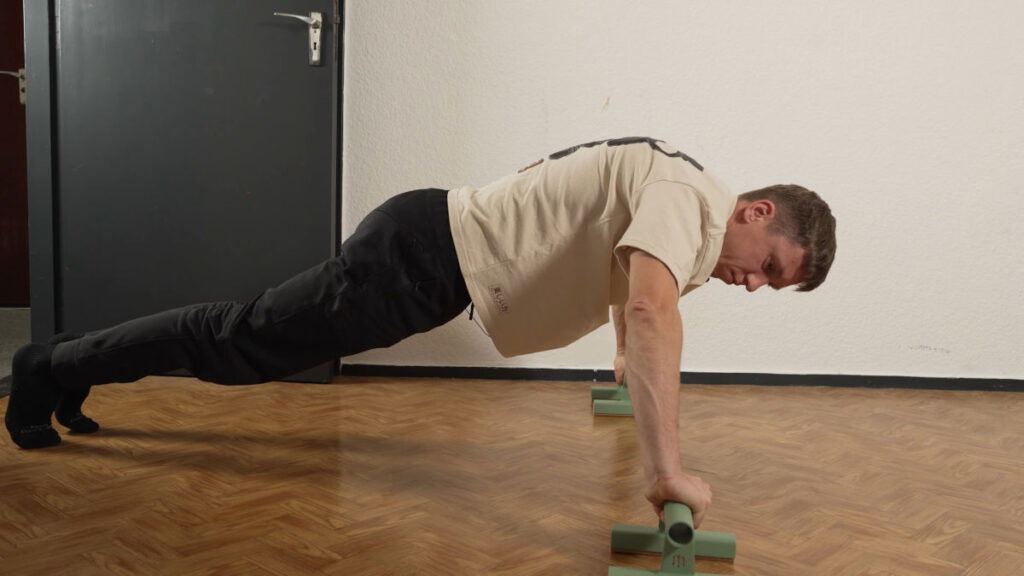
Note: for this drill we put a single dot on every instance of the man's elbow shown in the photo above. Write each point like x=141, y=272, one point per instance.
x=644, y=308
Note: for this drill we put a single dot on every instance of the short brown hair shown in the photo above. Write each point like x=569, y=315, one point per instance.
x=805, y=219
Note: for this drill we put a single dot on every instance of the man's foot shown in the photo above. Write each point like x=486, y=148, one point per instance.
x=69, y=403
x=69, y=411
x=33, y=398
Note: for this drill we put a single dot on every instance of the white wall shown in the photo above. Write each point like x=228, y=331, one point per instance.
x=907, y=117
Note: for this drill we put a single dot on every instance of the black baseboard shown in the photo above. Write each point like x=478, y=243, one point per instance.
x=719, y=378
x=750, y=379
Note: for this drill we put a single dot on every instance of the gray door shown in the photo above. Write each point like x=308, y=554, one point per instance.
x=195, y=154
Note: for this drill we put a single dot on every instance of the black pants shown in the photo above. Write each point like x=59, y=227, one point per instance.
x=397, y=275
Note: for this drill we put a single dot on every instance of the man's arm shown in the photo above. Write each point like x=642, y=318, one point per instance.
x=654, y=342
x=619, y=319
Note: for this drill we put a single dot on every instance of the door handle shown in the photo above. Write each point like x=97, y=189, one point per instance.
x=315, y=20
x=20, y=75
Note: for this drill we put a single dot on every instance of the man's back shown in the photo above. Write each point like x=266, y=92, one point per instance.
x=538, y=248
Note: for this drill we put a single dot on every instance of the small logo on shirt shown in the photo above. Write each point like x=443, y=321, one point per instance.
x=498, y=295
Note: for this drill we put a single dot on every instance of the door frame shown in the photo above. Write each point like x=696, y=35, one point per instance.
x=41, y=141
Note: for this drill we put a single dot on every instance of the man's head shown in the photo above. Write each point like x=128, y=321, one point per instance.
x=780, y=235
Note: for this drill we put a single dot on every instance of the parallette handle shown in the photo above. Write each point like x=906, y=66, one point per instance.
x=679, y=522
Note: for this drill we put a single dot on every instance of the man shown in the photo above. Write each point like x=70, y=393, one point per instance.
x=631, y=223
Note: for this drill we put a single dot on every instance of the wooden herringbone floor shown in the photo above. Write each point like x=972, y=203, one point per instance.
x=405, y=477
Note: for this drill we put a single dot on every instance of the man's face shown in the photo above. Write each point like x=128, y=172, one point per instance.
x=752, y=256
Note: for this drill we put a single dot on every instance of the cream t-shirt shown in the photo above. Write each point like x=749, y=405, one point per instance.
x=543, y=251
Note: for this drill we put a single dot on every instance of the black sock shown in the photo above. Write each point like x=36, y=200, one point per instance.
x=34, y=394
x=69, y=411
x=69, y=404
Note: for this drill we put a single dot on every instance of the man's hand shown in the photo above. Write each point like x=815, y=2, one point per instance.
x=689, y=490
x=620, y=367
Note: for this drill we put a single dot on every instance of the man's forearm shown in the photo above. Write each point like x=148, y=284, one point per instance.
x=653, y=347
x=619, y=319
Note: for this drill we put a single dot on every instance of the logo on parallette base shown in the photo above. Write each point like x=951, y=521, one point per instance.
x=498, y=295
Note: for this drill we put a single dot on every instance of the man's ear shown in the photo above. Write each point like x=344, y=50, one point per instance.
x=759, y=210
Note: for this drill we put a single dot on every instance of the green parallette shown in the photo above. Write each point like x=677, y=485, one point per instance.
x=611, y=400
x=675, y=540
